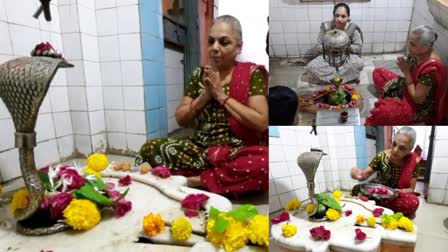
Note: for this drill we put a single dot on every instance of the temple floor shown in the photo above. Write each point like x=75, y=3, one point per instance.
x=429, y=219
x=289, y=72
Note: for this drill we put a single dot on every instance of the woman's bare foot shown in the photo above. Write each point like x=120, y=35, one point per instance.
x=194, y=181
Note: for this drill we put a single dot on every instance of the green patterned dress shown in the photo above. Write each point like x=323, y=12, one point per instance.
x=387, y=173
x=212, y=127
x=396, y=89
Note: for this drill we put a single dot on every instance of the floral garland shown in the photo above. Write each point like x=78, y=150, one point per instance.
x=76, y=195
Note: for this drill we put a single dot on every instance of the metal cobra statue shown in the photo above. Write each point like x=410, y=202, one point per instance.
x=336, y=48
x=24, y=82
x=309, y=162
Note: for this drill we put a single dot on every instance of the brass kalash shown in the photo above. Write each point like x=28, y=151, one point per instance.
x=336, y=52
x=24, y=82
x=309, y=162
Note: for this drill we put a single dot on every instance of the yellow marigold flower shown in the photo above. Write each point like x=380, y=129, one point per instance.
x=97, y=162
x=259, y=230
x=237, y=236
x=20, y=200
x=309, y=208
x=333, y=215
x=355, y=96
x=337, y=79
x=82, y=214
x=337, y=194
x=389, y=223
x=289, y=230
x=90, y=171
x=371, y=221
x=406, y=224
x=338, y=107
x=153, y=224
x=360, y=219
x=234, y=238
x=293, y=205
x=181, y=229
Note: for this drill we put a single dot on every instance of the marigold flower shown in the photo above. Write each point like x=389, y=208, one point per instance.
x=360, y=219
x=289, y=230
x=82, y=214
x=181, y=229
x=371, y=221
x=309, y=208
x=259, y=230
x=20, y=199
x=332, y=214
x=337, y=194
x=389, y=223
x=97, y=162
x=293, y=205
x=153, y=224
x=406, y=224
x=234, y=237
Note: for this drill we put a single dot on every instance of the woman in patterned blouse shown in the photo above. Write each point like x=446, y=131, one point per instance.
x=419, y=96
x=226, y=101
x=396, y=168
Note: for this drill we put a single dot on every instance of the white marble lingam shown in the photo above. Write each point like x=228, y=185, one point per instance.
x=149, y=194
x=343, y=232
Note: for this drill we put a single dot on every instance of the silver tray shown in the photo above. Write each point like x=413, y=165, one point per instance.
x=392, y=193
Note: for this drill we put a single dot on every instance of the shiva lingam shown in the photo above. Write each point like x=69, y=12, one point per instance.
x=336, y=96
x=309, y=162
x=24, y=82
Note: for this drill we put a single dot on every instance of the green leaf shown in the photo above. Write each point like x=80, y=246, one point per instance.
x=45, y=179
x=214, y=212
x=98, y=184
x=88, y=192
x=329, y=201
x=221, y=225
x=121, y=196
x=244, y=212
x=397, y=215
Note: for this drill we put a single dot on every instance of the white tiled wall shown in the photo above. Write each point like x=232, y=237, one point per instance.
x=438, y=184
x=174, y=76
x=422, y=16
x=294, y=26
x=286, y=179
x=19, y=33
x=118, y=30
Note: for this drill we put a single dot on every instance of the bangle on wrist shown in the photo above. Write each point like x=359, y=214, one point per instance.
x=225, y=100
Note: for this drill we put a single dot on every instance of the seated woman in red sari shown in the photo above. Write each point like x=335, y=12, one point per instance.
x=396, y=168
x=419, y=96
x=227, y=102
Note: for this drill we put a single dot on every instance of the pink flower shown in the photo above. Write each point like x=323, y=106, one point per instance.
x=320, y=233
x=192, y=203
x=72, y=175
x=161, y=171
x=110, y=185
x=56, y=204
x=360, y=235
x=363, y=198
x=348, y=212
x=125, y=181
x=122, y=207
x=377, y=212
x=113, y=194
x=280, y=218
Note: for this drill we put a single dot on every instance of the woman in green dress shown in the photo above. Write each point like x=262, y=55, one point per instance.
x=396, y=168
x=227, y=103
